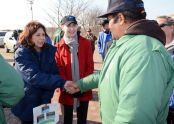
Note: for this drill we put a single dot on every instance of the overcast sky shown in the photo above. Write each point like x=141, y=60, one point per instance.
x=17, y=13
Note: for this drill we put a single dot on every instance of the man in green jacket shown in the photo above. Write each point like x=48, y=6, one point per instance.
x=137, y=77
x=11, y=87
x=58, y=35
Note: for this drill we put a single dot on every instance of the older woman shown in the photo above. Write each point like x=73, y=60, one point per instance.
x=35, y=62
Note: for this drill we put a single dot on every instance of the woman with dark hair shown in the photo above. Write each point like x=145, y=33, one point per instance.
x=35, y=62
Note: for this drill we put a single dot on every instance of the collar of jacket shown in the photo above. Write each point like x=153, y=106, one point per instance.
x=147, y=27
x=36, y=53
x=122, y=40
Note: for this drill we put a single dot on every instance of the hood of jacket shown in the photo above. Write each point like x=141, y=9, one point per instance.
x=147, y=27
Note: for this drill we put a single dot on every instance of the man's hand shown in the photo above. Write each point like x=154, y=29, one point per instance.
x=71, y=87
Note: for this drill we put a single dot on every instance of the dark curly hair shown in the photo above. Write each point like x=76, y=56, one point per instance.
x=26, y=35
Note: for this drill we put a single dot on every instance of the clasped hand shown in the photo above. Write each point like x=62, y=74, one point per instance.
x=71, y=87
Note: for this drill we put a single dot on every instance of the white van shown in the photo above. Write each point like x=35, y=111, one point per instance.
x=9, y=42
x=2, y=35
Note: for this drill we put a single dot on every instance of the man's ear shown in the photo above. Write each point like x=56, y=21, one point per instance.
x=121, y=18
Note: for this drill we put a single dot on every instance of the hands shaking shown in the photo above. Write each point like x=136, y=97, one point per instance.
x=71, y=87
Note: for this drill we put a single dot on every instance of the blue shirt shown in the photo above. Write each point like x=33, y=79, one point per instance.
x=172, y=97
x=172, y=100
x=103, y=38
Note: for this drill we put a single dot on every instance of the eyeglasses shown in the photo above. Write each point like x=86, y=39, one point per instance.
x=163, y=25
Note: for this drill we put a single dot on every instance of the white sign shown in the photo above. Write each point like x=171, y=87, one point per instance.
x=46, y=114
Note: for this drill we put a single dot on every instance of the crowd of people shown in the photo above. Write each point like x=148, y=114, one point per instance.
x=135, y=84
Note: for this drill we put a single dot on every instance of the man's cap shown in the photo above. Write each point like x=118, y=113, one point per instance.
x=115, y=6
x=68, y=20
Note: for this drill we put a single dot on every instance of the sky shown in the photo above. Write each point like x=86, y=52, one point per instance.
x=15, y=14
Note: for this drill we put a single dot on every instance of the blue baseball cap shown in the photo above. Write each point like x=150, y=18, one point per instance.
x=68, y=20
x=115, y=6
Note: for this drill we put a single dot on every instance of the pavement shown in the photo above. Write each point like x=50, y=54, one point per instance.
x=93, y=116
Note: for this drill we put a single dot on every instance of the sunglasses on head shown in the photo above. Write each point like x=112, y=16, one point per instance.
x=163, y=25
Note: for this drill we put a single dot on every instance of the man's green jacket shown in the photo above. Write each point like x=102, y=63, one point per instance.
x=11, y=87
x=136, y=81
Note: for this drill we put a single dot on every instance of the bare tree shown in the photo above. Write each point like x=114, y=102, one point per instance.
x=67, y=7
x=89, y=19
x=85, y=13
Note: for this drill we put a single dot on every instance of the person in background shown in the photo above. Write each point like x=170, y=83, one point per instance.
x=104, y=37
x=75, y=61
x=11, y=87
x=58, y=35
x=166, y=22
x=108, y=45
x=16, y=36
x=92, y=38
x=78, y=31
x=35, y=62
x=172, y=16
x=137, y=76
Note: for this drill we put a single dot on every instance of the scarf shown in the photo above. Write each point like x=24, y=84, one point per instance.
x=73, y=47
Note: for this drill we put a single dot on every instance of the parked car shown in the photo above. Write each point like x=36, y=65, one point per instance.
x=9, y=42
x=2, y=35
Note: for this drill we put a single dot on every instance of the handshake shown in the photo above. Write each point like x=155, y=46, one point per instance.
x=71, y=87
